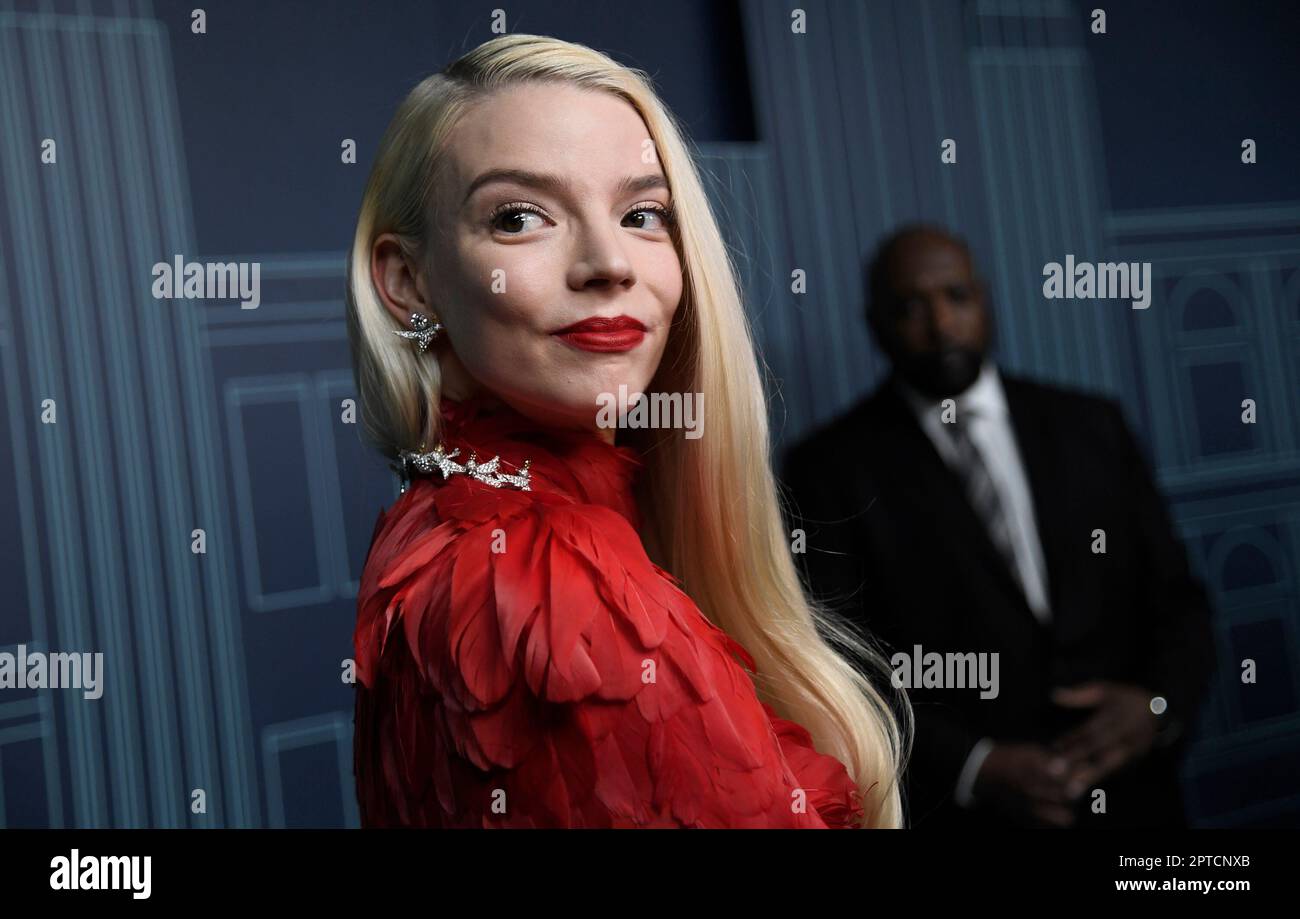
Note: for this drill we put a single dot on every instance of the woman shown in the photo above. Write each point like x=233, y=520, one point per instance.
x=533, y=236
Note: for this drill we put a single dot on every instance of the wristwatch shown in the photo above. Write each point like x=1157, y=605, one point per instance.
x=1169, y=728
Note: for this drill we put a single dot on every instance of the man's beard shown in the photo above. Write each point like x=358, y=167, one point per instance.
x=941, y=373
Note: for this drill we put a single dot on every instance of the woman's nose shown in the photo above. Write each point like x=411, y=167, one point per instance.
x=600, y=260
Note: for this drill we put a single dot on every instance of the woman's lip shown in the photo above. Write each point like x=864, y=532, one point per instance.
x=619, y=340
x=604, y=324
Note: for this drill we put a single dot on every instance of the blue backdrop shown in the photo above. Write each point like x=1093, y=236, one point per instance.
x=223, y=669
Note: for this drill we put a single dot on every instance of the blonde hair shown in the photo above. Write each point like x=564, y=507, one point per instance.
x=732, y=554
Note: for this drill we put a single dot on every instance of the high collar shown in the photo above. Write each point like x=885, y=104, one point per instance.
x=574, y=463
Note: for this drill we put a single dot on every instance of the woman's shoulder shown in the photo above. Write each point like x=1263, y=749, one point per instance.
x=531, y=567
x=499, y=603
x=432, y=518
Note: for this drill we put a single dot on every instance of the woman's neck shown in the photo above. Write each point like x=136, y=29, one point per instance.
x=490, y=404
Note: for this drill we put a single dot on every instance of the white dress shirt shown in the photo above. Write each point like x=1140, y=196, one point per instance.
x=983, y=407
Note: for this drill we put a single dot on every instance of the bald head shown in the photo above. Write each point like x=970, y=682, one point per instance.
x=927, y=309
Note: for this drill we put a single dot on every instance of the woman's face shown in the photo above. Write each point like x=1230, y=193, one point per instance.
x=553, y=212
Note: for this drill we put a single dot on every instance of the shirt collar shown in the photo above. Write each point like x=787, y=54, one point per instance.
x=984, y=397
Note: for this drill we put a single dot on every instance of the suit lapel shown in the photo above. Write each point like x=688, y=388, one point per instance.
x=940, y=493
x=1038, y=453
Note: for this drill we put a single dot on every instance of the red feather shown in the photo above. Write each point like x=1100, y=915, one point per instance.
x=522, y=663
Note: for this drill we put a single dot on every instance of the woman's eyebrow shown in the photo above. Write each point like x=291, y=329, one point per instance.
x=553, y=183
x=642, y=183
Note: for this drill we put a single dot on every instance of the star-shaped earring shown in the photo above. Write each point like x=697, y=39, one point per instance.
x=425, y=331
x=444, y=461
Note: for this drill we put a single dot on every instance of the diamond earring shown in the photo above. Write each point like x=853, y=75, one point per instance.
x=425, y=331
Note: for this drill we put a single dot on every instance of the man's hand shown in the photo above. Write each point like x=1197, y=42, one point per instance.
x=1121, y=729
x=1026, y=782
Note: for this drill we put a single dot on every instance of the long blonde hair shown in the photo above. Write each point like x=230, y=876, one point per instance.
x=730, y=549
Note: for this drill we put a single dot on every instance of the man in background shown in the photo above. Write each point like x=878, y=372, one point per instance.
x=960, y=510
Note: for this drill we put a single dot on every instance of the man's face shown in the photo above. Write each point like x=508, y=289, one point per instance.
x=935, y=326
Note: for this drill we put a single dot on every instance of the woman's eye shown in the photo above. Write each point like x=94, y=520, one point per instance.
x=647, y=218
x=515, y=220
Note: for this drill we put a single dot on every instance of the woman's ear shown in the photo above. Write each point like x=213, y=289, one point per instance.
x=398, y=280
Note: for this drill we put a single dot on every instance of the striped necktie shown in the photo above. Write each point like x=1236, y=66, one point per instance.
x=982, y=492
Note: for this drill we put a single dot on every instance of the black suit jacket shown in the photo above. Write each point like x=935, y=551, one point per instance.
x=894, y=545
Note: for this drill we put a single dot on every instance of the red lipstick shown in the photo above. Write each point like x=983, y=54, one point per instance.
x=599, y=333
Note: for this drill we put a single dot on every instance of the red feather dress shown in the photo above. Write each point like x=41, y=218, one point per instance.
x=521, y=662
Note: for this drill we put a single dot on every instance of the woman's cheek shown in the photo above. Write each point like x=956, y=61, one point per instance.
x=665, y=280
x=510, y=341
x=513, y=283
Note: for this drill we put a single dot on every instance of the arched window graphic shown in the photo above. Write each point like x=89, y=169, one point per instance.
x=1252, y=571
x=1247, y=565
x=1215, y=346
x=1249, y=557
x=1207, y=309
